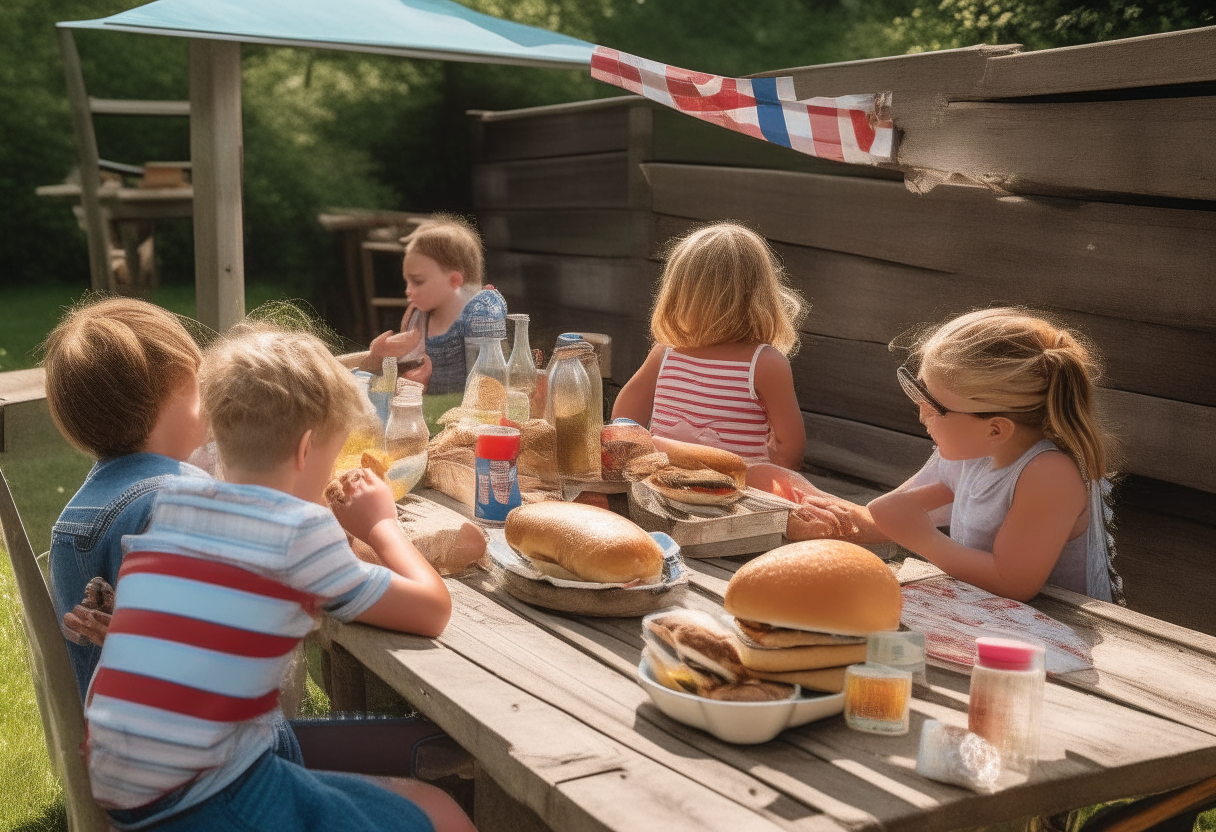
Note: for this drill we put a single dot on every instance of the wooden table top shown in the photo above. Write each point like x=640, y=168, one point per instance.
x=550, y=705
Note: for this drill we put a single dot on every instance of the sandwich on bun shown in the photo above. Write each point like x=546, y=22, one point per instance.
x=698, y=474
x=802, y=611
x=584, y=542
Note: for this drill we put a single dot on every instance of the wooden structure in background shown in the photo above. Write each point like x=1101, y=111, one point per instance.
x=1080, y=181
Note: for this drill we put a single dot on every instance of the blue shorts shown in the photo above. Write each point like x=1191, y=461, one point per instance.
x=275, y=795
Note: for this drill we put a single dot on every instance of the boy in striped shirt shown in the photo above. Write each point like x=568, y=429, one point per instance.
x=214, y=597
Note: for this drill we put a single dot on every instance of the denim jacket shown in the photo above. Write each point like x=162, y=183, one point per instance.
x=115, y=499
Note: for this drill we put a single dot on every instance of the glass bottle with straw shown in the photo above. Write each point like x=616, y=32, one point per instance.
x=521, y=374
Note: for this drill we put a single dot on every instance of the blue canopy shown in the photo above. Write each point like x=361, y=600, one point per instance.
x=437, y=29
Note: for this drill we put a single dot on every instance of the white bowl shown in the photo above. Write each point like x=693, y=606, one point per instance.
x=743, y=723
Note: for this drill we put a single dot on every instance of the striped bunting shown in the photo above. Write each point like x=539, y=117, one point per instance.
x=854, y=128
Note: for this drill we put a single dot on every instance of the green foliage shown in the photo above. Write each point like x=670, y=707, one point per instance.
x=1038, y=24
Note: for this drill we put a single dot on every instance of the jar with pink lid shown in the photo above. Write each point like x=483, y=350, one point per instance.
x=1006, y=708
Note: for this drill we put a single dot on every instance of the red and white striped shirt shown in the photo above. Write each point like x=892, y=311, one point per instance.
x=711, y=402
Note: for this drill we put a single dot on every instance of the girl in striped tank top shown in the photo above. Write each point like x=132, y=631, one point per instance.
x=724, y=323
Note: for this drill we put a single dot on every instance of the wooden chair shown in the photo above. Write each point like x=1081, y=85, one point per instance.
x=54, y=682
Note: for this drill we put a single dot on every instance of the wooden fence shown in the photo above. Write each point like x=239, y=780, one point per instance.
x=1080, y=181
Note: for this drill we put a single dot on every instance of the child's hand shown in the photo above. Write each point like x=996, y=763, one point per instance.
x=369, y=501
x=421, y=373
x=395, y=345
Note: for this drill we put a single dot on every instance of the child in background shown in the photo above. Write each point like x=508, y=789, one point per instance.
x=212, y=600
x=1018, y=469
x=724, y=323
x=443, y=269
x=122, y=387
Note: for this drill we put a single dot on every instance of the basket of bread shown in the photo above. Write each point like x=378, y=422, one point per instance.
x=582, y=559
x=775, y=656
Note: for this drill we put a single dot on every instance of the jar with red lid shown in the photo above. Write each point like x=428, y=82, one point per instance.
x=1006, y=707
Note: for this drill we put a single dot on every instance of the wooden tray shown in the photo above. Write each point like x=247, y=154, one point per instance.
x=754, y=524
x=565, y=596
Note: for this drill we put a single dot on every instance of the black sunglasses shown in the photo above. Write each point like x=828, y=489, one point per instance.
x=918, y=393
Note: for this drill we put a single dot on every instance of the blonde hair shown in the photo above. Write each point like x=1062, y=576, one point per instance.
x=722, y=284
x=111, y=365
x=1030, y=370
x=263, y=387
x=453, y=243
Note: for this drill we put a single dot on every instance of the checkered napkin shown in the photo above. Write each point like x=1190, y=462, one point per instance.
x=852, y=128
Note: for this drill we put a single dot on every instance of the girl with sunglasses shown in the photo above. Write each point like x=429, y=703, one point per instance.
x=1018, y=472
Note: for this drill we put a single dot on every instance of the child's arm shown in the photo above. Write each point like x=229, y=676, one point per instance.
x=774, y=381
x=1047, y=503
x=636, y=399
x=417, y=600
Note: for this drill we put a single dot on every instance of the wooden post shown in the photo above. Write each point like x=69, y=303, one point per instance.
x=216, y=151
x=101, y=276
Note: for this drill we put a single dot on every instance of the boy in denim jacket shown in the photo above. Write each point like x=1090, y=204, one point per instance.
x=122, y=387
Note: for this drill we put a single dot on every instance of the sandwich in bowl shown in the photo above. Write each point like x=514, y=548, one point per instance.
x=692, y=652
x=802, y=611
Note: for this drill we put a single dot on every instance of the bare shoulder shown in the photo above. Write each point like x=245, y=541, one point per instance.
x=772, y=364
x=1052, y=476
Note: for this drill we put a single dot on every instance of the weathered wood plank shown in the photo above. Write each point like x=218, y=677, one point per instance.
x=1163, y=439
x=1121, y=261
x=588, y=232
x=871, y=453
x=615, y=285
x=216, y=151
x=535, y=751
x=599, y=180
x=116, y=107
x=1149, y=61
x=1150, y=147
x=501, y=633
x=574, y=129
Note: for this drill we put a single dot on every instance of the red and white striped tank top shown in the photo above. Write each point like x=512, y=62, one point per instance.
x=711, y=402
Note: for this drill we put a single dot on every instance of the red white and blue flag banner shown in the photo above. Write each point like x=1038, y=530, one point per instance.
x=853, y=128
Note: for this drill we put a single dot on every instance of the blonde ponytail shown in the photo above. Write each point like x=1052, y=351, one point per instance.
x=1029, y=370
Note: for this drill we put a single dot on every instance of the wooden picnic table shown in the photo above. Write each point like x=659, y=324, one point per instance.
x=550, y=706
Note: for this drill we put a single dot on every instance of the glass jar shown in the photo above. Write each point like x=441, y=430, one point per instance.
x=366, y=433
x=521, y=374
x=1006, y=706
x=571, y=408
x=485, y=392
x=591, y=364
x=383, y=387
x=405, y=442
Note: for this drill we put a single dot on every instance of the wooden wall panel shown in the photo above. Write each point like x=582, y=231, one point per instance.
x=1159, y=438
x=595, y=181
x=881, y=456
x=865, y=299
x=616, y=286
x=1121, y=261
x=603, y=232
x=563, y=130
x=1168, y=566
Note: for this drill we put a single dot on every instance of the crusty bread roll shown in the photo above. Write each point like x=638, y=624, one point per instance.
x=829, y=586
x=594, y=544
x=692, y=456
x=765, y=635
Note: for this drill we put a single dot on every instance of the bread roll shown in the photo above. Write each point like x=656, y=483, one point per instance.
x=700, y=487
x=594, y=544
x=691, y=456
x=826, y=679
x=789, y=659
x=828, y=586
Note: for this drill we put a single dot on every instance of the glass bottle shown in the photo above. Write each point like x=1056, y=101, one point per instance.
x=405, y=442
x=412, y=360
x=367, y=432
x=521, y=374
x=591, y=364
x=570, y=408
x=1006, y=702
x=485, y=391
